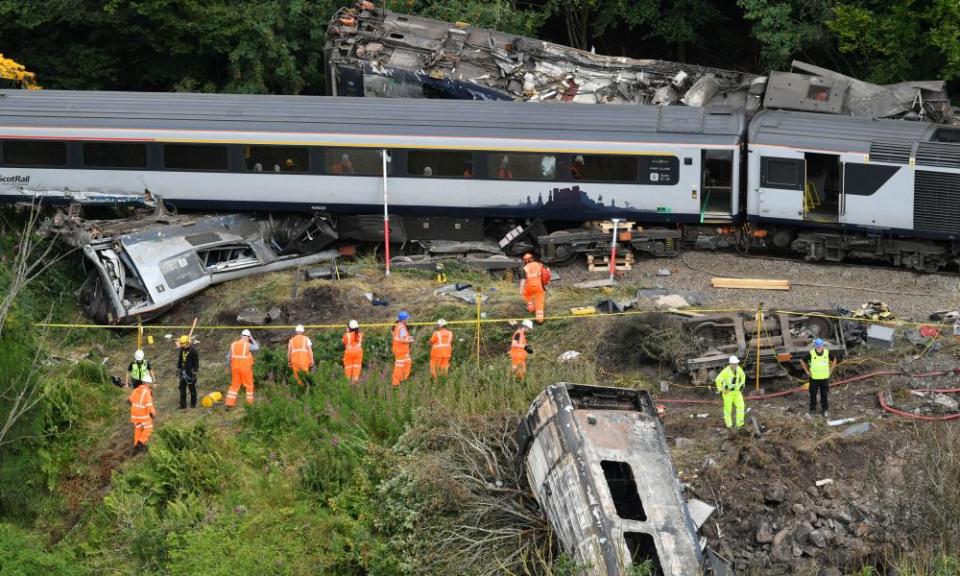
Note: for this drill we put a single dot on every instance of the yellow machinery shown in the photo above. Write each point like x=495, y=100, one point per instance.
x=10, y=70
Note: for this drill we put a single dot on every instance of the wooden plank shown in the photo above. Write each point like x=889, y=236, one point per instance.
x=750, y=283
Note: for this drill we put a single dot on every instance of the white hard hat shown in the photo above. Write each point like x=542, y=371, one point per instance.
x=441, y=322
x=734, y=360
x=527, y=324
x=138, y=355
x=353, y=325
x=246, y=333
x=299, y=329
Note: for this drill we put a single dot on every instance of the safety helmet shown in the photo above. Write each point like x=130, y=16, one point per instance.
x=138, y=355
x=818, y=343
x=403, y=315
x=246, y=333
x=299, y=329
x=353, y=325
x=527, y=257
x=441, y=322
x=734, y=360
x=184, y=340
x=527, y=324
x=578, y=159
x=288, y=163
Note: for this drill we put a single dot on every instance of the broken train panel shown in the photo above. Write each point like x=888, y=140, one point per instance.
x=597, y=461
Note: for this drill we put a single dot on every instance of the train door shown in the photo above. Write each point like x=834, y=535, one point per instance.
x=823, y=188
x=716, y=185
x=779, y=185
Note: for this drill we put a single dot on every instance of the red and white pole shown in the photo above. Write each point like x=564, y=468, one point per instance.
x=613, y=251
x=386, y=217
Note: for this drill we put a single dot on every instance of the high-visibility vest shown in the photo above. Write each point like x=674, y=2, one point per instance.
x=139, y=370
x=141, y=404
x=240, y=355
x=401, y=339
x=532, y=271
x=820, y=364
x=298, y=349
x=353, y=342
x=728, y=381
x=442, y=341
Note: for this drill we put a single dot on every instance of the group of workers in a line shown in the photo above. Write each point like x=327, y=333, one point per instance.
x=731, y=380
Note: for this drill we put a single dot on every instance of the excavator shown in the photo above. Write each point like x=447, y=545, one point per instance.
x=17, y=74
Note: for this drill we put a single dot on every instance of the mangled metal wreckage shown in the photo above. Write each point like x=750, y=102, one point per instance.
x=597, y=461
x=371, y=51
x=139, y=269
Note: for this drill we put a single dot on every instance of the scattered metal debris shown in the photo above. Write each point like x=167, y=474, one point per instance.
x=874, y=310
x=880, y=336
x=597, y=461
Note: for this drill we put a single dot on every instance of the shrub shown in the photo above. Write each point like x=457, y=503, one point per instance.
x=22, y=554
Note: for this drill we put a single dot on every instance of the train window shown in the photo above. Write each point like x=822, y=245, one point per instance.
x=276, y=159
x=356, y=161
x=784, y=173
x=440, y=163
x=604, y=168
x=946, y=135
x=194, y=157
x=34, y=153
x=513, y=166
x=660, y=170
x=114, y=155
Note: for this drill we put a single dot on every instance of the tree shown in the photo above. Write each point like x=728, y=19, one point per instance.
x=502, y=15
x=789, y=29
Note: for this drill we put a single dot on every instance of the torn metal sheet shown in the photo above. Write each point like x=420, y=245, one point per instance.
x=375, y=52
x=784, y=340
x=597, y=461
x=140, y=268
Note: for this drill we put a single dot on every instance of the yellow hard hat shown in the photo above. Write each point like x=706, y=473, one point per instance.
x=184, y=340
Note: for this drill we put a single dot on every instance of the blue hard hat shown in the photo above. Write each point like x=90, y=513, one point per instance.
x=403, y=315
x=818, y=342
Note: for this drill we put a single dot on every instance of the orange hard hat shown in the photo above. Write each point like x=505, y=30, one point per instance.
x=527, y=257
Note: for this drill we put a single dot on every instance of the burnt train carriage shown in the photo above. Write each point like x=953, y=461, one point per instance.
x=834, y=187
x=452, y=159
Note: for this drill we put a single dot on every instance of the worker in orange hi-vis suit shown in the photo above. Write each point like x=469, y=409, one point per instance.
x=240, y=367
x=142, y=412
x=519, y=350
x=531, y=286
x=401, y=349
x=441, y=350
x=353, y=351
x=300, y=353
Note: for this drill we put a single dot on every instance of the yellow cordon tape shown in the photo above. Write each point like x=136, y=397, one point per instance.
x=474, y=322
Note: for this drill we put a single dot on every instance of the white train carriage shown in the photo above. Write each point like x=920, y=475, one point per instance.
x=321, y=154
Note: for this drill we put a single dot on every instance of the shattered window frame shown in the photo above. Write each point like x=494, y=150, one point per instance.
x=332, y=156
x=274, y=155
x=43, y=150
x=521, y=159
x=448, y=158
x=192, y=153
x=602, y=159
x=114, y=155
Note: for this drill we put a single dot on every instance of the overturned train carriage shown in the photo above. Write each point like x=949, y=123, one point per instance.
x=597, y=461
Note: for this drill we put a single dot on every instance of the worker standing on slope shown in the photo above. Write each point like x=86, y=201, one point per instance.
x=139, y=371
x=240, y=367
x=401, y=349
x=819, y=371
x=300, y=353
x=188, y=365
x=441, y=350
x=730, y=382
x=519, y=350
x=353, y=351
x=533, y=285
x=142, y=412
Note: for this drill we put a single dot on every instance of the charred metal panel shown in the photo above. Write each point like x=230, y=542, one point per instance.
x=598, y=463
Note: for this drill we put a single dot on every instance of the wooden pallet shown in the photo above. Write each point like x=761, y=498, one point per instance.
x=602, y=263
x=750, y=283
x=626, y=226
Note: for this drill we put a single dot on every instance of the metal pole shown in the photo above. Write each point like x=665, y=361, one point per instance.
x=386, y=216
x=613, y=251
x=479, y=301
x=758, y=337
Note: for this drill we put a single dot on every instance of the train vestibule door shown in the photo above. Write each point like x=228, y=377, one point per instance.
x=823, y=188
x=716, y=185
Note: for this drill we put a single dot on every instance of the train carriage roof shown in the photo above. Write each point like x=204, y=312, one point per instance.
x=395, y=117
x=809, y=130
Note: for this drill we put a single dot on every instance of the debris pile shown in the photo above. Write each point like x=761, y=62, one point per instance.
x=873, y=310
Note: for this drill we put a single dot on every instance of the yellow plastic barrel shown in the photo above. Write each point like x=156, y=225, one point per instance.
x=210, y=399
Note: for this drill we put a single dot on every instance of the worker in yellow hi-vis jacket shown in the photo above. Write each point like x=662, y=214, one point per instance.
x=729, y=383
